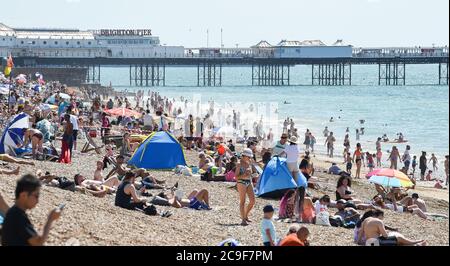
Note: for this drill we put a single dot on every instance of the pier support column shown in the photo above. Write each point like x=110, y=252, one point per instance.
x=339, y=74
x=148, y=75
x=209, y=74
x=392, y=74
x=93, y=74
x=270, y=75
x=443, y=73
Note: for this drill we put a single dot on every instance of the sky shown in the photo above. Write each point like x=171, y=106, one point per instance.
x=362, y=23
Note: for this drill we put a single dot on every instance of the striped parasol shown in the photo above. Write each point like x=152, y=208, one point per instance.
x=389, y=178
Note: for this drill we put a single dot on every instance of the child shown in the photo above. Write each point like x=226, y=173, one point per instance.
x=414, y=164
x=435, y=162
x=349, y=163
x=322, y=204
x=267, y=228
x=370, y=162
x=379, y=155
x=428, y=177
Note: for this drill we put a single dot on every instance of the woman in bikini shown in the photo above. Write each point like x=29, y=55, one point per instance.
x=36, y=138
x=245, y=185
x=394, y=158
x=357, y=158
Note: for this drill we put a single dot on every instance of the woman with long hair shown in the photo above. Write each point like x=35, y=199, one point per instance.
x=244, y=173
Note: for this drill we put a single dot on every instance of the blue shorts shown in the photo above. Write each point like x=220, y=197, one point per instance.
x=195, y=204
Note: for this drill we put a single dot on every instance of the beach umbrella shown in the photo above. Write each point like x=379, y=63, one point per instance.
x=4, y=89
x=13, y=135
x=389, y=178
x=46, y=107
x=123, y=112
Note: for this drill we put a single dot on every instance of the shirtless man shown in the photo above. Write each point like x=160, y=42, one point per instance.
x=112, y=182
x=329, y=142
x=374, y=228
x=121, y=170
x=205, y=161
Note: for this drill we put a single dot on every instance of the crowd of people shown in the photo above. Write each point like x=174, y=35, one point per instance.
x=58, y=113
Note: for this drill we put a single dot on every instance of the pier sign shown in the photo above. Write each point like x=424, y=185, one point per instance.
x=106, y=32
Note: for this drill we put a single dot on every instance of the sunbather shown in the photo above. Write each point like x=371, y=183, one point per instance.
x=374, y=228
x=10, y=172
x=9, y=159
x=98, y=176
x=121, y=170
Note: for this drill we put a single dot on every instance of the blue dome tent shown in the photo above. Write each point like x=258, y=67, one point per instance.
x=276, y=179
x=160, y=151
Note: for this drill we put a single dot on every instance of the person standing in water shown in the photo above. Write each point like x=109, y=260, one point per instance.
x=326, y=132
x=394, y=157
x=307, y=141
x=357, y=158
x=423, y=165
x=357, y=135
x=407, y=158
x=329, y=142
x=435, y=162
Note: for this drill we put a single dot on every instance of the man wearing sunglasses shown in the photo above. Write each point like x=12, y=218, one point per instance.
x=17, y=229
x=281, y=145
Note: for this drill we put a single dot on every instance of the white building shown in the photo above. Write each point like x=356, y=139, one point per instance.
x=311, y=49
x=73, y=43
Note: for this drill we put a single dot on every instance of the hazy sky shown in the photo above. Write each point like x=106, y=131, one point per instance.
x=185, y=22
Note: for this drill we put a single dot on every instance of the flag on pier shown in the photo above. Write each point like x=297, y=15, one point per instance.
x=9, y=66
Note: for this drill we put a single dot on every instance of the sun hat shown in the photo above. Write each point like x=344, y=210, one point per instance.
x=247, y=152
x=293, y=139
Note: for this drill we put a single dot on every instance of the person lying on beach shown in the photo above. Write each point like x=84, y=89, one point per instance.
x=96, y=188
x=347, y=214
x=9, y=159
x=55, y=181
x=121, y=170
x=112, y=182
x=378, y=202
x=374, y=228
x=414, y=200
x=336, y=170
x=10, y=172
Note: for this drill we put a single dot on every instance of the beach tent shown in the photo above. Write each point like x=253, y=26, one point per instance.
x=13, y=135
x=276, y=179
x=160, y=151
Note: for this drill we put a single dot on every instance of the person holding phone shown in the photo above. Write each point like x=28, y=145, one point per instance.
x=17, y=229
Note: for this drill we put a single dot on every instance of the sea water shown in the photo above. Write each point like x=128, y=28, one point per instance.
x=419, y=110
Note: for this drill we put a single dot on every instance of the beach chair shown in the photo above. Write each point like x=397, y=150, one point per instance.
x=90, y=144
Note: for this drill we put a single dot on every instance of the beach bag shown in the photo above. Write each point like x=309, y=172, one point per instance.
x=323, y=218
x=206, y=176
x=230, y=176
x=336, y=221
x=66, y=184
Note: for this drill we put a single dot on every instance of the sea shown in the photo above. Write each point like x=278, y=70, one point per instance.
x=419, y=110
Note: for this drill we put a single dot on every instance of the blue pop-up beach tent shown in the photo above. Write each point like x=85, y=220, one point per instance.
x=13, y=133
x=276, y=179
x=160, y=151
